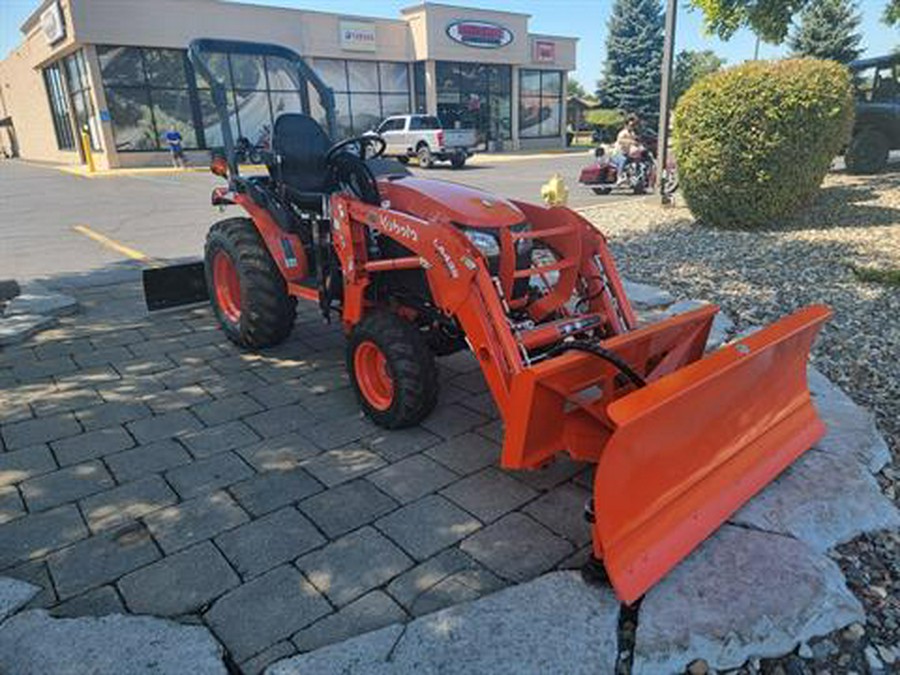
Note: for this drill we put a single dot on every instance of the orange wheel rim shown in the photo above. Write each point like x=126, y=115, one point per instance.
x=372, y=374
x=227, y=286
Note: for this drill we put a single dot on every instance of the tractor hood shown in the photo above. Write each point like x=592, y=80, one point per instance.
x=442, y=201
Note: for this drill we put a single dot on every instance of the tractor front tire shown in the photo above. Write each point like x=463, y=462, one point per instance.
x=392, y=370
x=248, y=294
x=867, y=153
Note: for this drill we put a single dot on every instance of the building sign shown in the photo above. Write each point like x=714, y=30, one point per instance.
x=358, y=36
x=52, y=23
x=544, y=51
x=481, y=34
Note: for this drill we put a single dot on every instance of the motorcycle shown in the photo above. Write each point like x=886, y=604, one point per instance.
x=639, y=169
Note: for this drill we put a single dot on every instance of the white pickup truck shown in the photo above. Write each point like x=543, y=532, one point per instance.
x=422, y=136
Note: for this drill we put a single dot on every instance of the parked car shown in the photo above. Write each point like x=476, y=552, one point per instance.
x=423, y=137
x=876, y=130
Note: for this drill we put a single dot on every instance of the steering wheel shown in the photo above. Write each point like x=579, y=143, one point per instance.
x=363, y=143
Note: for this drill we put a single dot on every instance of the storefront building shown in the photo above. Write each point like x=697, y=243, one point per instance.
x=120, y=71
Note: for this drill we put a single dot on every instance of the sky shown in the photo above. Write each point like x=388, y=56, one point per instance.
x=584, y=19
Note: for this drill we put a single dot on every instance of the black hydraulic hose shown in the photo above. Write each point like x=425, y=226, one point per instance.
x=605, y=354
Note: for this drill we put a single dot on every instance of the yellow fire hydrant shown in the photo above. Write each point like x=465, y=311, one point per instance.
x=554, y=192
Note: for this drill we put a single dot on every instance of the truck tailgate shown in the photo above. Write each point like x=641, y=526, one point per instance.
x=459, y=138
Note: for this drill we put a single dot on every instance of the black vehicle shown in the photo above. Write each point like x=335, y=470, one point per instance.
x=876, y=130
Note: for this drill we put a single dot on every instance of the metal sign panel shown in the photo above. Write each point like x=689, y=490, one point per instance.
x=52, y=23
x=358, y=36
x=544, y=51
x=480, y=34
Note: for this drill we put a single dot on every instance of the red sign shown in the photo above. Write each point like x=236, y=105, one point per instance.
x=481, y=34
x=544, y=51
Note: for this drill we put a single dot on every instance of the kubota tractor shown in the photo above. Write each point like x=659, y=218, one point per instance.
x=416, y=268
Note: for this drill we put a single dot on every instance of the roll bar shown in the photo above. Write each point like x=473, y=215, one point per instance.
x=202, y=46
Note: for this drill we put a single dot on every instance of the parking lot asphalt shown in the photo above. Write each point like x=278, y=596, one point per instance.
x=166, y=216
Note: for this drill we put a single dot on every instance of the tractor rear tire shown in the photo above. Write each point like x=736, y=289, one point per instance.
x=868, y=152
x=392, y=370
x=248, y=294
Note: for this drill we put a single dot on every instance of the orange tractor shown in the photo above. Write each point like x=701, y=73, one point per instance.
x=416, y=268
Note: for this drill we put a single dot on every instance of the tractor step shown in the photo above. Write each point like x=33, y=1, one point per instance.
x=174, y=286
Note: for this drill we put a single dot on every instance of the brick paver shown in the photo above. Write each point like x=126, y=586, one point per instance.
x=147, y=465
x=179, y=584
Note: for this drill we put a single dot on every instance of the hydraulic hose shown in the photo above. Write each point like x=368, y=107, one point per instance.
x=605, y=354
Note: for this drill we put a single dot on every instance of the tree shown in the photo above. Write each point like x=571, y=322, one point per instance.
x=631, y=79
x=892, y=13
x=574, y=88
x=690, y=66
x=828, y=29
x=769, y=19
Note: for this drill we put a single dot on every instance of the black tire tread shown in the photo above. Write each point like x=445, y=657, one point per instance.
x=412, y=367
x=267, y=312
x=861, y=164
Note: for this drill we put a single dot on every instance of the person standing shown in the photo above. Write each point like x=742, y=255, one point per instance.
x=176, y=147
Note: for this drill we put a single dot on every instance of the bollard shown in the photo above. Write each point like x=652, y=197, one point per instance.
x=554, y=192
x=86, y=147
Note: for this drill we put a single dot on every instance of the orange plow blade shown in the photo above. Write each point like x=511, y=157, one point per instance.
x=693, y=446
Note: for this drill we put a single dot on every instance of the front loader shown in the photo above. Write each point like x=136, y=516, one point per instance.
x=416, y=268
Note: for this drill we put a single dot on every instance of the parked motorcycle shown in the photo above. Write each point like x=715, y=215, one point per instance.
x=639, y=169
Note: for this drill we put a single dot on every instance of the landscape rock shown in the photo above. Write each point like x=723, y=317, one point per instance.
x=13, y=595
x=851, y=429
x=34, y=298
x=531, y=628
x=645, y=296
x=742, y=594
x=15, y=329
x=822, y=499
x=33, y=643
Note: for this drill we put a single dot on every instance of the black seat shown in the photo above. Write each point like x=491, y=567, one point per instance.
x=300, y=146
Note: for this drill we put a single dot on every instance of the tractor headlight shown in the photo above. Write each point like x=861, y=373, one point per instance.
x=488, y=244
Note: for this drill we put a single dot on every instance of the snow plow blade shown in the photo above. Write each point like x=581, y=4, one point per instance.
x=693, y=446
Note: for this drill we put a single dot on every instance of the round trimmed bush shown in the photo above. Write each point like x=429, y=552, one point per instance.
x=754, y=142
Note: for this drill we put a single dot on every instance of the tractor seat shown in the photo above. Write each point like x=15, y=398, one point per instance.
x=299, y=146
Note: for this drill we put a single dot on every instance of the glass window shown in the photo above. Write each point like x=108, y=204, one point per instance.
x=217, y=63
x=333, y=72
x=248, y=71
x=396, y=124
x=475, y=96
x=419, y=77
x=283, y=74
x=165, y=68
x=447, y=74
x=132, y=118
x=253, y=113
x=285, y=102
x=424, y=122
x=394, y=104
x=121, y=65
x=363, y=76
x=212, y=128
x=59, y=108
x=342, y=115
x=172, y=111
x=366, y=112
x=394, y=78
x=80, y=92
x=540, y=103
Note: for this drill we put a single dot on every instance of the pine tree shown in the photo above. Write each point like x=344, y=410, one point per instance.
x=634, y=47
x=828, y=29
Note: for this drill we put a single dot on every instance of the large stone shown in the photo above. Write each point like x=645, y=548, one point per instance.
x=552, y=624
x=822, y=499
x=644, y=296
x=18, y=328
x=743, y=594
x=13, y=595
x=35, y=298
x=33, y=642
x=851, y=430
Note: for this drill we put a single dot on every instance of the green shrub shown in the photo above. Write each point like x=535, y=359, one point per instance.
x=754, y=142
x=608, y=121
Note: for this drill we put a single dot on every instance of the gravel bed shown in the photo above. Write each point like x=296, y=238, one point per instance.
x=759, y=276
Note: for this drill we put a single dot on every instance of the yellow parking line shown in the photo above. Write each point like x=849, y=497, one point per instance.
x=112, y=244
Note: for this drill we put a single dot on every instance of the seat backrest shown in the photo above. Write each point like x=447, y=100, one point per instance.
x=301, y=144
